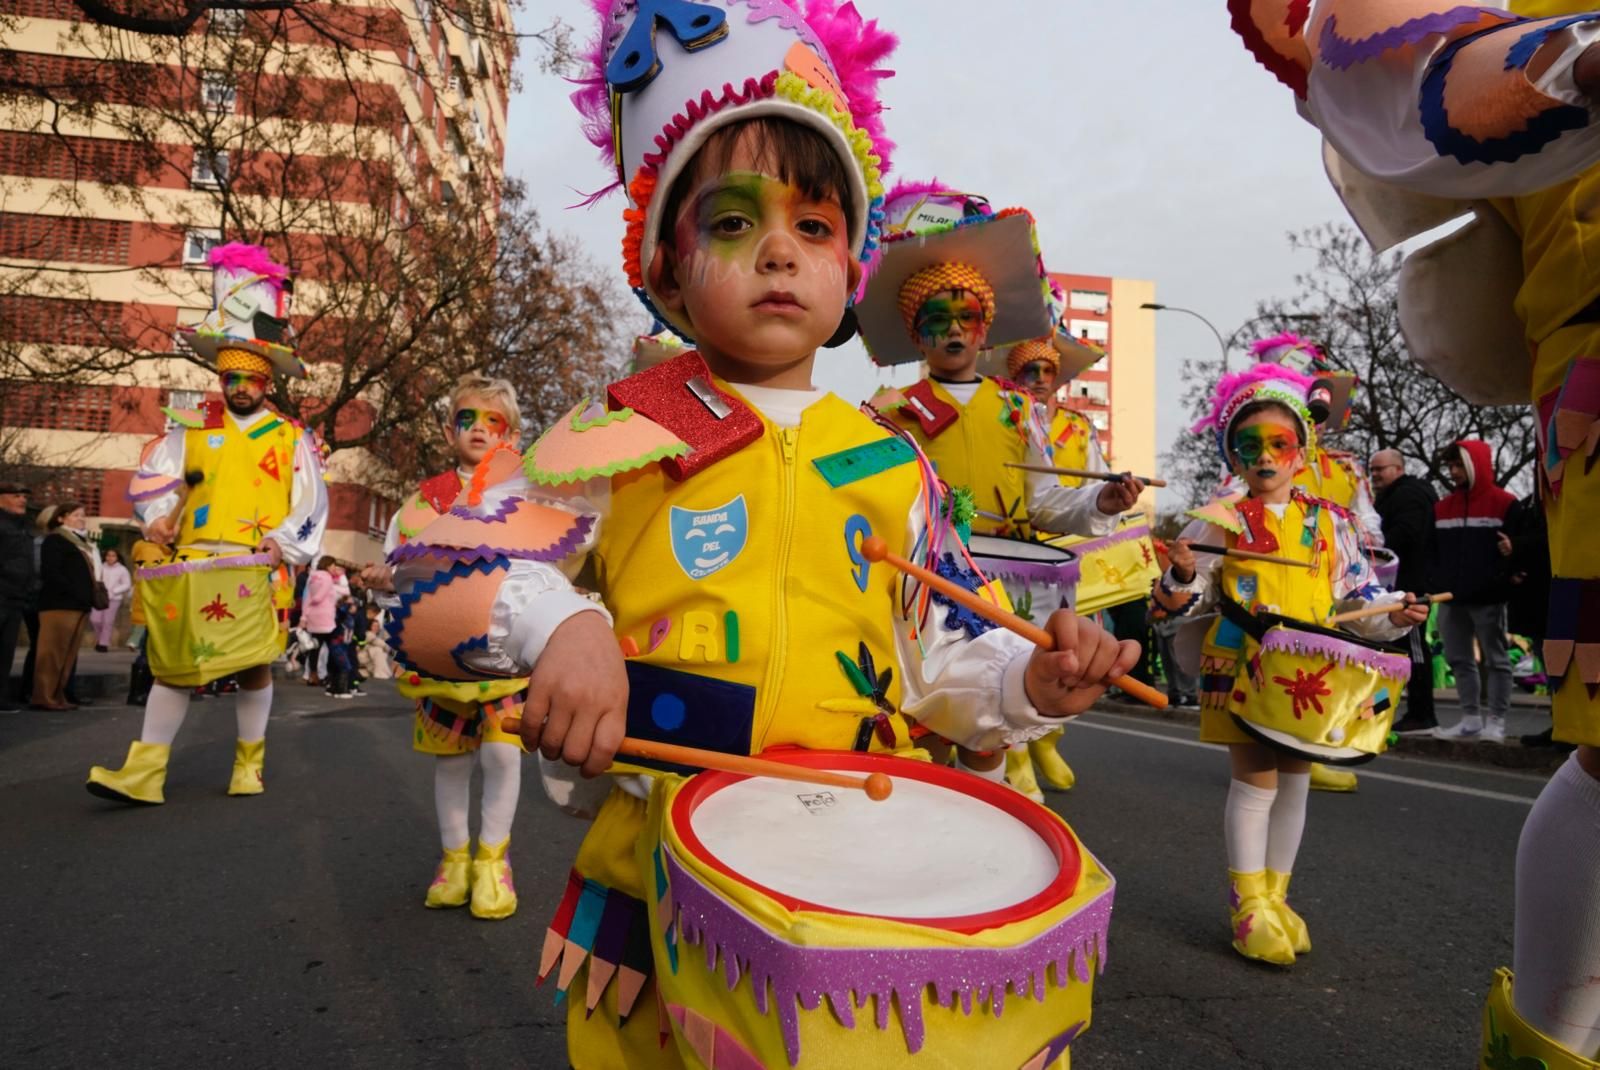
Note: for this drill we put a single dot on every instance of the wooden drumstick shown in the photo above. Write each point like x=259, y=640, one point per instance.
x=1084, y=473
x=873, y=548
x=1245, y=555
x=1379, y=611
x=877, y=786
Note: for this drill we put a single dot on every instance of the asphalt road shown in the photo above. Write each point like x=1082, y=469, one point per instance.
x=287, y=930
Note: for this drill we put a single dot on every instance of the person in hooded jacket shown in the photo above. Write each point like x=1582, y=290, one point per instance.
x=1467, y=527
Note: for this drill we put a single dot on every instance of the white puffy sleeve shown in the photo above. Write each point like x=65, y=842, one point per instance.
x=161, y=471
x=1060, y=509
x=299, y=537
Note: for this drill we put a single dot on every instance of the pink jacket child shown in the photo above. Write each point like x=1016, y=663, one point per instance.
x=320, y=601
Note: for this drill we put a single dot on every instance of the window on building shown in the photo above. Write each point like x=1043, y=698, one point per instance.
x=475, y=52
x=228, y=20
x=1094, y=330
x=459, y=82
x=82, y=485
x=478, y=131
x=458, y=148
x=55, y=406
x=218, y=92
x=380, y=511
x=198, y=243
x=210, y=169
x=447, y=193
x=1101, y=420
x=1096, y=391
x=1095, y=301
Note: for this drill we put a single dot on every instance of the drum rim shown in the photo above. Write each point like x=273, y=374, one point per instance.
x=1311, y=752
x=1071, y=556
x=1052, y=830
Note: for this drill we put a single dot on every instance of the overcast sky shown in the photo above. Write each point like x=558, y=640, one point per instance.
x=1140, y=133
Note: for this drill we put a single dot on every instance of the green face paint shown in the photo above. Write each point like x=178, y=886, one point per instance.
x=1269, y=445
x=949, y=315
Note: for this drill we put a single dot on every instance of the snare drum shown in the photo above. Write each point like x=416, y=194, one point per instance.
x=209, y=615
x=1319, y=694
x=1116, y=568
x=1386, y=566
x=1039, y=578
x=954, y=924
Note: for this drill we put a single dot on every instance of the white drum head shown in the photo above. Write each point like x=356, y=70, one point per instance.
x=924, y=852
x=1017, y=550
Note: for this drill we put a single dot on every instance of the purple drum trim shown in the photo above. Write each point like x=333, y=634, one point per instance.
x=1341, y=53
x=1084, y=549
x=1287, y=641
x=1058, y=574
x=557, y=551
x=803, y=976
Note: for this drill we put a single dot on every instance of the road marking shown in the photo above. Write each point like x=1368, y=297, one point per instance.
x=1437, y=785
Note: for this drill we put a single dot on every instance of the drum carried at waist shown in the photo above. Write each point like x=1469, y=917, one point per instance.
x=209, y=616
x=1039, y=578
x=1113, y=569
x=795, y=917
x=1316, y=693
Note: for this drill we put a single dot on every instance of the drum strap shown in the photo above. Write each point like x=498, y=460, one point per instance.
x=1242, y=618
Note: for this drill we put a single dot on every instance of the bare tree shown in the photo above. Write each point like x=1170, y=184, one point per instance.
x=413, y=269
x=1354, y=295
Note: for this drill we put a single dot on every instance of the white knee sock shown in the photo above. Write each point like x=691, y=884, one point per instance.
x=1288, y=820
x=1557, y=952
x=502, y=782
x=997, y=774
x=452, y=793
x=251, y=709
x=163, y=714
x=1244, y=825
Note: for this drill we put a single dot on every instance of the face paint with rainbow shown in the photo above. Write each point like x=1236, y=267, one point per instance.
x=1265, y=446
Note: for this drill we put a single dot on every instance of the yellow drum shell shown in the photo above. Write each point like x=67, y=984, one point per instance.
x=207, y=623
x=1319, y=689
x=809, y=1015
x=1113, y=569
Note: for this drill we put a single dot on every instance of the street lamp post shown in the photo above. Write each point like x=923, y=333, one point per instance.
x=1226, y=344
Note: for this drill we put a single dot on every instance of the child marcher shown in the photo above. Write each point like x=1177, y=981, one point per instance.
x=1271, y=624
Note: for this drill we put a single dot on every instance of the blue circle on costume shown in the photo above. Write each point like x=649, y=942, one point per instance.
x=668, y=711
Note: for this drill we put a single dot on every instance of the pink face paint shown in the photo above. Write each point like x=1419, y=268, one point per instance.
x=724, y=231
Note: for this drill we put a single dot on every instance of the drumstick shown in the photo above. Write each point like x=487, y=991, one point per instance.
x=1084, y=473
x=1378, y=611
x=877, y=786
x=1247, y=555
x=873, y=548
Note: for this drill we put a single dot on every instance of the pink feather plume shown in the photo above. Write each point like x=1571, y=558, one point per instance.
x=1286, y=340
x=857, y=46
x=243, y=257
x=1231, y=384
x=591, y=98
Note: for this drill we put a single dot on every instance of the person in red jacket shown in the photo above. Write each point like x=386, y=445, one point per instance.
x=1467, y=524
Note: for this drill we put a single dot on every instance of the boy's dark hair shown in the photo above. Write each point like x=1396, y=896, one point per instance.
x=796, y=153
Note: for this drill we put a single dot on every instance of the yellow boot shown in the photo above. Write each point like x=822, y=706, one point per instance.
x=1047, y=761
x=1294, y=926
x=1326, y=779
x=1511, y=1043
x=140, y=778
x=1019, y=774
x=248, y=759
x=449, y=887
x=1257, y=932
x=493, y=894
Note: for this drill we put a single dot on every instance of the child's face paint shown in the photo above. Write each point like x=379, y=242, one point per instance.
x=951, y=329
x=761, y=268
x=1265, y=452
x=475, y=428
x=1037, y=378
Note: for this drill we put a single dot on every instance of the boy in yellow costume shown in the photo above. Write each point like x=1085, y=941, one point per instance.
x=238, y=490
x=1263, y=429
x=460, y=723
x=721, y=501
x=955, y=279
x=1433, y=112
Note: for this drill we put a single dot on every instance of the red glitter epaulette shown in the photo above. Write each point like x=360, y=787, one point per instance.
x=923, y=406
x=441, y=491
x=212, y=411
x=679, y=394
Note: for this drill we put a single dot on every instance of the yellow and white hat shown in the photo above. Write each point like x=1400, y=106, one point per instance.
x=248, y=325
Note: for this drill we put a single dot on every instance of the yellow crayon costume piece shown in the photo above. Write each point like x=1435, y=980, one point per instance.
x=973, y=451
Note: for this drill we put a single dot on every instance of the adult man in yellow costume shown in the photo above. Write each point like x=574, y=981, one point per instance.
x=238, y=490
x=1433, y=112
